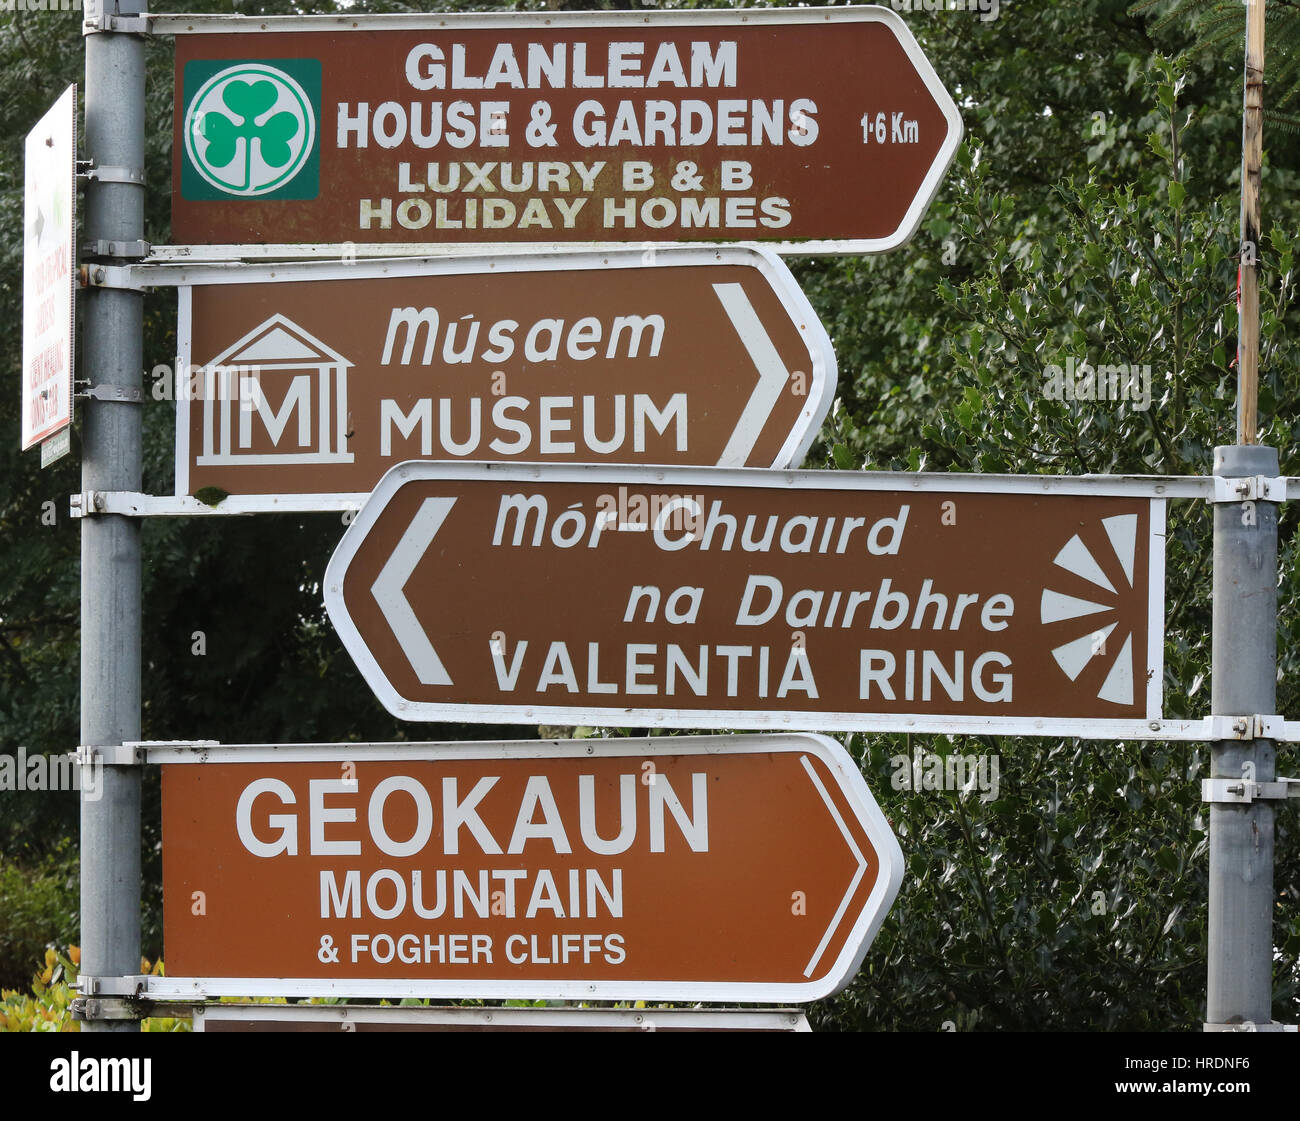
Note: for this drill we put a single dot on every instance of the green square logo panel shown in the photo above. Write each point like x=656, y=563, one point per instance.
x=251, y=129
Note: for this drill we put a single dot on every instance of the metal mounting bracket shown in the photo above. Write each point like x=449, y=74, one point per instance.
x=135, y=250
x=1254, y=488
x=86, y=504
x=106, y=1008
x=130, y=503
x=1247, y=728
x=131, y=985
x=1248, y=1025
x=111, y=173
x=117, y=394
x=113, y=755
x=1241, y=792
x=111, y=276
x=97, y=21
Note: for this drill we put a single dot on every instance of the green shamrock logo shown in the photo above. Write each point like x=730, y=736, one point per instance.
x=249, y=129
x=247, y=101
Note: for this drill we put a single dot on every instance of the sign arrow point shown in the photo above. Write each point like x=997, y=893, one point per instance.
x=389, y=590
x=772, y=374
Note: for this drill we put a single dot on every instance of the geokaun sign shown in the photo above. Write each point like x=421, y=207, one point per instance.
x=757, y=599
x=571, y=869
x=316, y=379
x=825, y=130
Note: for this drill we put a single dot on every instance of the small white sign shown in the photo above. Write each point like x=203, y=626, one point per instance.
x=49, y=271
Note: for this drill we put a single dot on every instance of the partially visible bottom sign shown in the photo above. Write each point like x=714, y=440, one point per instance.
x=696, y=868
x=321, y=1018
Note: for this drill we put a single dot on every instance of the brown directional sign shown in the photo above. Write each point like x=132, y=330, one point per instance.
x=713, y=868
x=749, y=599
x=825, y=129
x=314, y=379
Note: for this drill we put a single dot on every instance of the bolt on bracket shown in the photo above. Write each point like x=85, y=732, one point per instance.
x=110, y=276
x=1254, y=488
x=97, y=21
x=1240, y=791
x=91, y=502
x=111, y=173
x=112, y=755
x=116, y=394
x=130, y=985
x=119, y=249
x=1257, y=727
x=106, y=1008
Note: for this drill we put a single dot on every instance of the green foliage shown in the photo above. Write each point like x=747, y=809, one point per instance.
x=1074, y=900
x=1218, y=28
x=48, y=1007
x=38, y=905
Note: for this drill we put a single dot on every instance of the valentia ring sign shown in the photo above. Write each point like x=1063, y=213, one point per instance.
x=757, y=599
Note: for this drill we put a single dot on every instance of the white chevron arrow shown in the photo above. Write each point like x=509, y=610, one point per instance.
x=772, y=374
x=389, y=591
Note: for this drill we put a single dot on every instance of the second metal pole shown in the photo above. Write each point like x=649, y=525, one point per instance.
x=1244, y=683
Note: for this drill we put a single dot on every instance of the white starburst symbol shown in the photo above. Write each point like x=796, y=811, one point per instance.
x=1074, y=655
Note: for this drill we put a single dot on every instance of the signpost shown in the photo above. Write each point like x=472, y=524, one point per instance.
x=747, y=599
x=49, y=277
x=824, y=130
x=748, y=868
x=315, y=379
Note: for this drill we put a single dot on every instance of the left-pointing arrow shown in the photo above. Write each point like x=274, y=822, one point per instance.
x=389, y=591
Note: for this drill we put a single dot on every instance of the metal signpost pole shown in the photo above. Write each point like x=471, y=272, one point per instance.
x=1244, y=658
x=110, y=543
x=1240, y=948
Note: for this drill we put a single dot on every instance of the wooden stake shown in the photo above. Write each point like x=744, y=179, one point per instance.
x=1252, y=153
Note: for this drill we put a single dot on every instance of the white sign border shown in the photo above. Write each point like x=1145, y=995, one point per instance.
x=345, y=1017
x=845, y=967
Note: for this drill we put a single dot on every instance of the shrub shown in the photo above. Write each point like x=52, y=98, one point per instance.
x=38, y=908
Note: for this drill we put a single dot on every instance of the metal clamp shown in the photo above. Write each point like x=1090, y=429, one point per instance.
x=110, y=276
x=1251, y=488
x=131, y=985
x=134, y=250
x=107, y=1008
x=112, y=173
x=1239, y=791
x=96, y=21
x=117, y=394
x=111, y=755
x=1247, y=728
x=88, y=503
